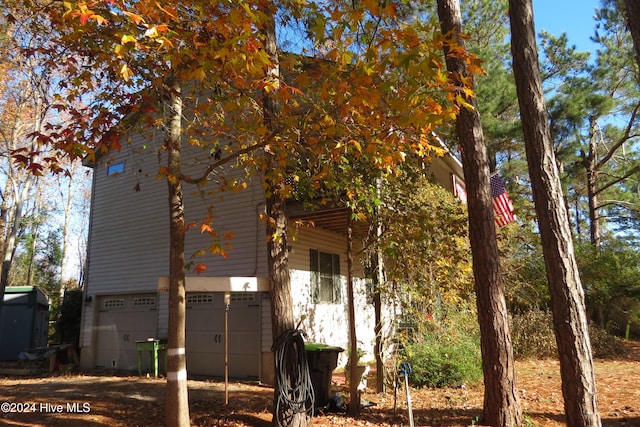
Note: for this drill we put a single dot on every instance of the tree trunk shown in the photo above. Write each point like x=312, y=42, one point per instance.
x=67, y=201
x=278, y=253
x=378, y=279
x=501, y=402
x=176, y=401
x=633, y=24
x=590, y=163
x=354, y=380
x=11, y=242
x=567, y=298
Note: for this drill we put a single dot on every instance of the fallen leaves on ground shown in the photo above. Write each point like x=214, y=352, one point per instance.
x=101, y=400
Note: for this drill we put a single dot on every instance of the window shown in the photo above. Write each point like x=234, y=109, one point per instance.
x=144, y=302
x=113, y=303
x=115, y=168
x=200, y=299
x=243, y=297
x=325, y=277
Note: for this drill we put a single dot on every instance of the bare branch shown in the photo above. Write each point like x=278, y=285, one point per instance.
x=209, y=170
x=618, y=179
x=626, y=137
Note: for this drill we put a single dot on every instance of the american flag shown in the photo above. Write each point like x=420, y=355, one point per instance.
x=502, y=206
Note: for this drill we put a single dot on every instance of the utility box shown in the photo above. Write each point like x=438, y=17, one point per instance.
x=322, y=360
x=25, y=321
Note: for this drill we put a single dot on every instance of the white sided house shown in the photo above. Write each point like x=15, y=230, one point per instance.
x=126, y=296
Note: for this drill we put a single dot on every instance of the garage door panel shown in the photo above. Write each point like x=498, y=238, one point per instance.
x=205, y=341
x=244, y=343
x=205, y=335
x=123, y=320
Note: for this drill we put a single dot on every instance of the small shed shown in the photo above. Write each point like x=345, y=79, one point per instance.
x=25, y=321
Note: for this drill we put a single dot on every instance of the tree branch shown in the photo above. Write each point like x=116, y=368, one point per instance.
x=627, y=136
x=618, y=179
x=209, y=170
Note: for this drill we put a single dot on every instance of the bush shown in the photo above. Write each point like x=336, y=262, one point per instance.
x=603, y=344
x=533, y=337
x=444, y=361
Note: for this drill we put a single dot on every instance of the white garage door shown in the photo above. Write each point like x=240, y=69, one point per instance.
x=205, y=334
x=123, y=320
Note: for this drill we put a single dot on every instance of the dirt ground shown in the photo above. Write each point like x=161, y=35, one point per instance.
x=98, y=400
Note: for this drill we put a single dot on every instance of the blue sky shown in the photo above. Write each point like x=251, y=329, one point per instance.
x=574, y=17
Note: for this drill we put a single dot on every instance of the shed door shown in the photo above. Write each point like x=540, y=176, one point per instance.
x=16, y=326
x=205, y=334
x=123, y=320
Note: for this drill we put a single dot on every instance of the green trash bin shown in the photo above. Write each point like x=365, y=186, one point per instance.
x=322, y=360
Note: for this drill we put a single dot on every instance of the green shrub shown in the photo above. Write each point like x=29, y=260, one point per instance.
x=444, y=362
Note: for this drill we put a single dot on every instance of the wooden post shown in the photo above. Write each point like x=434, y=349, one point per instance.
x=227, y=303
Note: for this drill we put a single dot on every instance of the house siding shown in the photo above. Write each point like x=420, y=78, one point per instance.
x=129, y=238
x=323, y=322
x=129, y=250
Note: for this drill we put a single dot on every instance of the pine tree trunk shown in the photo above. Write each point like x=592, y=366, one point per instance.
x=590, y=164
x=632, y=13
x=176, y=400
x=567, y=298
x=501, y=402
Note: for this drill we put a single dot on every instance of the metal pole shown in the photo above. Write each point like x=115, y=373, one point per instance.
x=227, y=303
x=406, y=370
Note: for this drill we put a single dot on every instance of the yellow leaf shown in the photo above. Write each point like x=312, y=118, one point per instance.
x=126, y=72
x=151, y=32
x=127, y=38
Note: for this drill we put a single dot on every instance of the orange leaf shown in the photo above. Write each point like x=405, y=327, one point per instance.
x=84, y=17
x=200, y=268
x=137, y=19
x=206, y=228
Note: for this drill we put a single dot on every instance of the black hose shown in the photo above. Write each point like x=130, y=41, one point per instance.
x=294, y=391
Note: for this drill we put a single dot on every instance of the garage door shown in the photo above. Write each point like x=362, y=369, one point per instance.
x=205, y=334
x=123, y=320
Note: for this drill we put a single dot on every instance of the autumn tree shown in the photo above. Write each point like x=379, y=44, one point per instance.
x=567, y=297
x=375, y=90
x=147, y=67
x=210, y=77
x=423, y=238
